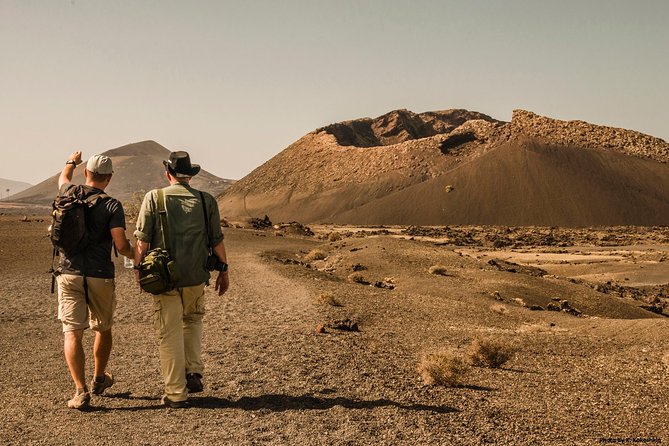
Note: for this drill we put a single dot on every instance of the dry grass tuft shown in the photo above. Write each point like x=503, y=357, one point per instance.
x=499, y=309
x=315, y=254
x=133, y=204
x=329, y=299
x=490, y=352
x=438, y=270
x=443, y=368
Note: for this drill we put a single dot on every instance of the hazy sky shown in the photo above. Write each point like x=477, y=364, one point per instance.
x=235, y=82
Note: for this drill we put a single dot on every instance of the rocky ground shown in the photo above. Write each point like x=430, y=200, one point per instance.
x=281, y=370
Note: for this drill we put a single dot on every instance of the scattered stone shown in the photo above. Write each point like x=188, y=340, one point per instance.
x=536, y=308
x=260, y=223
x=511, y=267
x=320, y=328
x=289, y=261
x=654, y=308
x=358, y=278
x=358, y=267
x=344, y=325
x=519, y=301
x=316, y=254
x=558, y=304
x=552, y=306
x=384, y=284
x=298, y=229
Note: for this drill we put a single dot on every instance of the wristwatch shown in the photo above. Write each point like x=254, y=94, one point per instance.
x=74, y=163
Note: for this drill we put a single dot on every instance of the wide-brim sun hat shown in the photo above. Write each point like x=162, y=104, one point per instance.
x=179, y=165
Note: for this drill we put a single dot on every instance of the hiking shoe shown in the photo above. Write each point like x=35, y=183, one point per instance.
x=166, y=401
x=194, y=383
x=97, y=388
x=80, y=401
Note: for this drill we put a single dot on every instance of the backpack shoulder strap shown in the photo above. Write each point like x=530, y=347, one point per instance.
x=162, y=215
x=206, y=219
x=93, y=199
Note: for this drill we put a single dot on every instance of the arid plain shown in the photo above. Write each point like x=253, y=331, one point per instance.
x=273, y=378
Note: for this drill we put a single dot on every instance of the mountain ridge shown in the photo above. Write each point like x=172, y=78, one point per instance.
x=337, y=172
x=137, y=167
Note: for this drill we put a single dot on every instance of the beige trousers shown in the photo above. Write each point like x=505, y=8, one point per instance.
x=177, y=319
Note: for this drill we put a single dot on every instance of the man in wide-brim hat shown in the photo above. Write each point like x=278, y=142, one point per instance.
x=193, y=226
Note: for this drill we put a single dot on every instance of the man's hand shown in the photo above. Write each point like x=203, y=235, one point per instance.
x=140, y=251
x=76, y=157
x=66, y=175
x=222, y=283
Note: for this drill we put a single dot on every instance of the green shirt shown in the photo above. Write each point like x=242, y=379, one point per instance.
x=188, y=244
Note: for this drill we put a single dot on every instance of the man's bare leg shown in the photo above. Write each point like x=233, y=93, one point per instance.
x=75, y=357
x=101, y=351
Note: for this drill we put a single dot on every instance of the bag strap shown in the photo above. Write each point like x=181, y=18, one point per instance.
x=162, y=215
x=206, y=220
x=92, y=200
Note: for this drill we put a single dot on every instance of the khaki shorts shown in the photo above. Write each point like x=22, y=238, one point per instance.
x=73, y=310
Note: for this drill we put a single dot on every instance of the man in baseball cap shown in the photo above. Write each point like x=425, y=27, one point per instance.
x=86, y=291
x=100, y=164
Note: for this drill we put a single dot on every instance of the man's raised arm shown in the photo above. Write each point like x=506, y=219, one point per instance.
x=66, y=175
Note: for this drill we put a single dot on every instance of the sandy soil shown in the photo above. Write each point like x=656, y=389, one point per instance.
x=272, y=379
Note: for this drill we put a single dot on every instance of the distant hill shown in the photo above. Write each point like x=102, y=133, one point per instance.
x=13, y=186
x=137, y=167
x=461, y=167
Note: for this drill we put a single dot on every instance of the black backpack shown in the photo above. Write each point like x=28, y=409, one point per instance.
x=68, y=226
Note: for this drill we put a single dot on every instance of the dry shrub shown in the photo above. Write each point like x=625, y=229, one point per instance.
x=499, y=308
x=315, y=254
x=329, y=299
x=358, y=278
x=133, y=204
x=334, y=237
x=443, y=368
x=439, y=270
x=490, y=352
